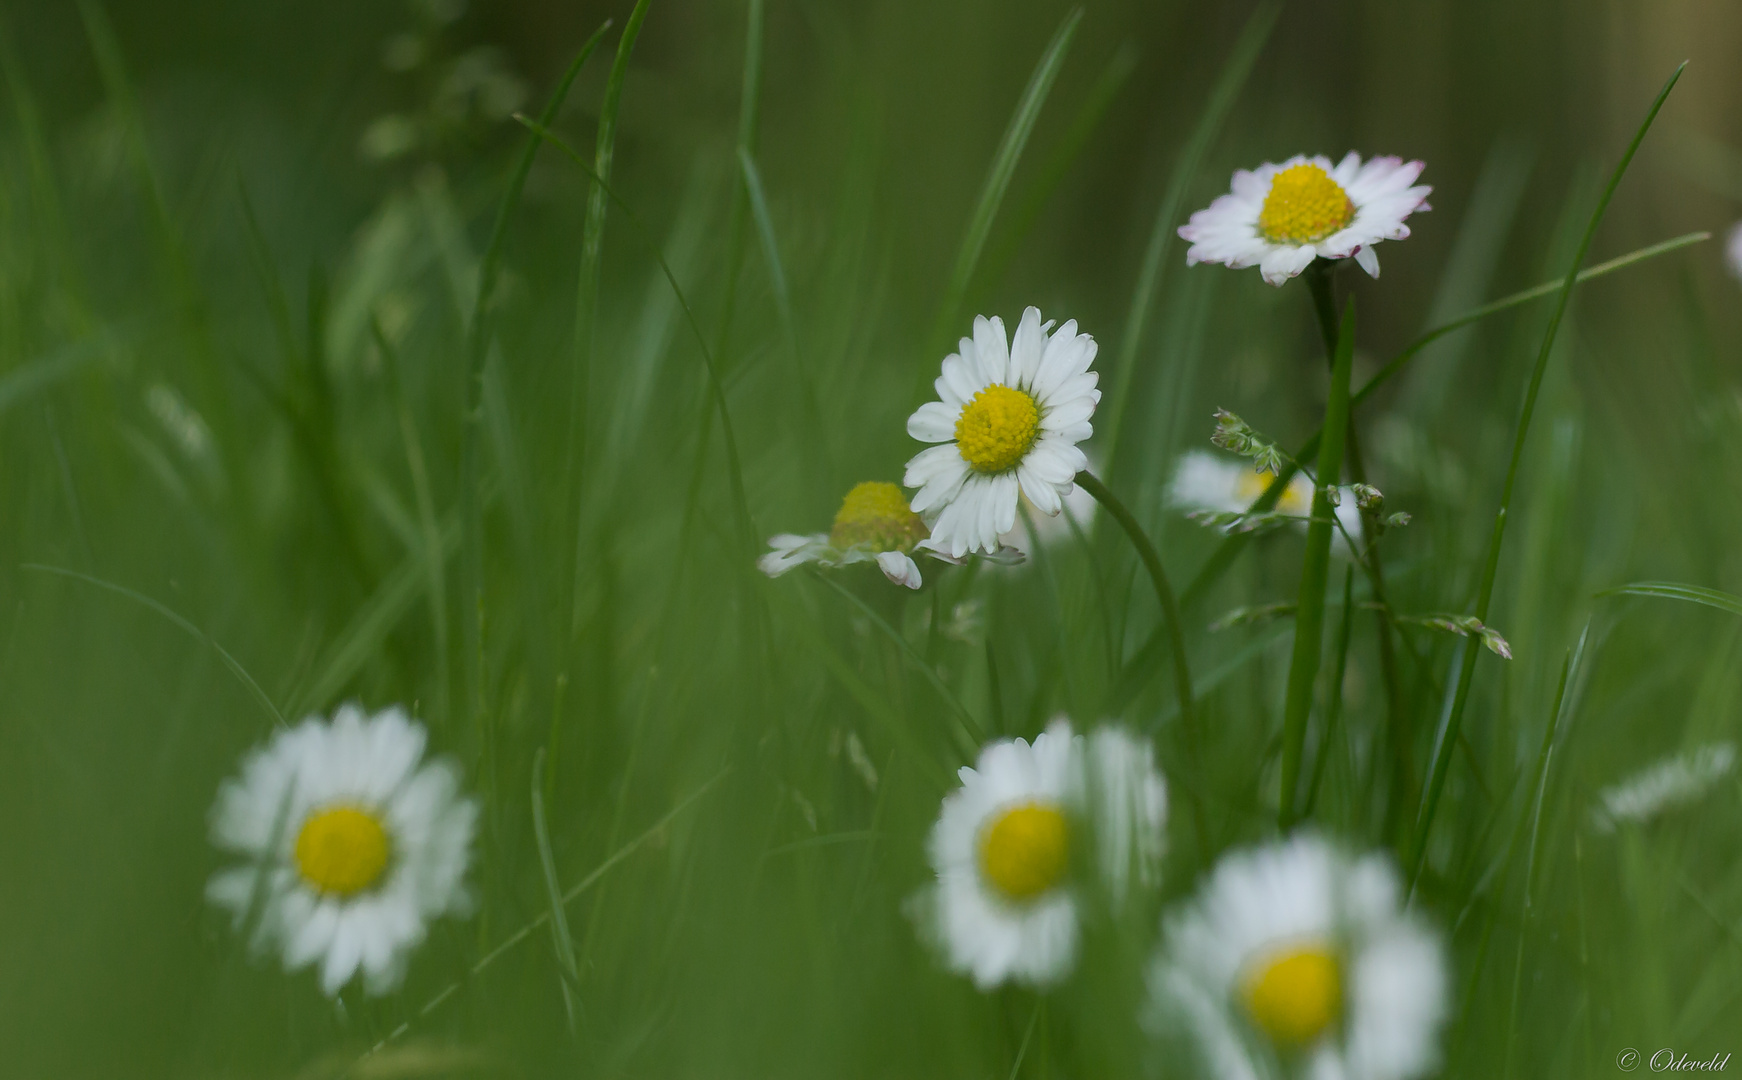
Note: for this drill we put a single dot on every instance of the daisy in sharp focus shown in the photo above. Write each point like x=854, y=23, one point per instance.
x=1281, y=217
x=1009, y=417
x=351, y=844
x=1012, y=844
x=874, y=524
x=1297, y=959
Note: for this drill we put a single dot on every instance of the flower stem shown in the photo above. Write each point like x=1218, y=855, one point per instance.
x=1401, y=791
x=1182, y=675
x=1309, y=619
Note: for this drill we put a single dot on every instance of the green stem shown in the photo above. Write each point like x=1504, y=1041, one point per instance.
x=1318, y=277
x=1454, y=721
x=1334, y=712
x=1182, y=675
x=1309, y=619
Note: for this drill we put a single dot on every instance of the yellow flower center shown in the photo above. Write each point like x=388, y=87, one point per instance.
x=876, y=514
x=1253, y=484
x=342, y=850
x=1295, y=994
x=1304, y=206
x=1025, y=850
x=997, y=428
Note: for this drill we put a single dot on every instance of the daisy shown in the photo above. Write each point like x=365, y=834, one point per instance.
x=350, y=846
x=1298, y=960
x=1281, y=217
x=1211, y=484
x=1673, y=782
x=874, y=524
x=1009, y=419
x=1734, y=251
x=1009, y=849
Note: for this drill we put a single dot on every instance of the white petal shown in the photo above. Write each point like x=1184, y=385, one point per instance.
x=1284, y=262
x=1026, y=350
x=993, y=348
x=1368, y=260
x=900, y=569
x=939, y=479
x=1042, y=494
x=933, y=422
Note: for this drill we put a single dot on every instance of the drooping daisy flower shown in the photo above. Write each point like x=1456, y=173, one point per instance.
x=351, y=846
x=1010, y=415
x=1298, y=960
x=1734, y=251
x=1010, y=844
x=1281, y=217
x=874, y=524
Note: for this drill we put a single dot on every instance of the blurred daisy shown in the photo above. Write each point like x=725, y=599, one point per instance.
x=1280, y=217
x=1673, y=782
x=874, y=524
x=351, y=847
x=1297, y=959
x=1206, y=483
x=1009, y=419
x=1221, y=485
x=1127, y=800
x=1734, y=251
x=1010, y=844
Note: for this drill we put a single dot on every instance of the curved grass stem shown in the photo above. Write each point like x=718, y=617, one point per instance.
x=1182, y=675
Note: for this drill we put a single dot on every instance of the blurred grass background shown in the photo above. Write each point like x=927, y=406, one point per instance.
x=240, y=247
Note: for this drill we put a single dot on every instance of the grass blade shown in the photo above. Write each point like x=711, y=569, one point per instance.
x=770, y=247
x=567, y=898
x=1235, y=70
x=560, y=939
x=1182, y=674
x=998, y=176
x=1309, y=619
x=477, y=351
x=229, y=661
x=1114, y=75
x=1334, y=711
x=1437, y=779
x=716, y=388
x=1670, y=590
x=587, y=286
x=971, y=727
x=368, y=629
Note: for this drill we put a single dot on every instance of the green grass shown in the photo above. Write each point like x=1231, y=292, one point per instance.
x=496, y=430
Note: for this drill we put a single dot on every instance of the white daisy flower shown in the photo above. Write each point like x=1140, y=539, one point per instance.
x=1128, y=804
x=1733, y=251
x=1211, y=483
x=1297, y=960
x=1280, y=217
x=1673, y=782
x=1006, y=849
x=1009, y=416
x=351, y=847
x=874, y=524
